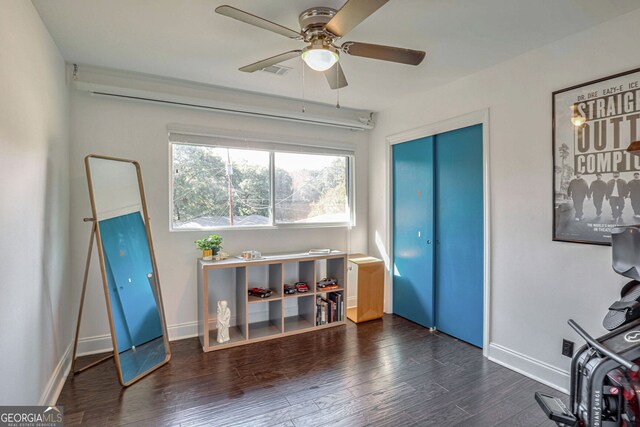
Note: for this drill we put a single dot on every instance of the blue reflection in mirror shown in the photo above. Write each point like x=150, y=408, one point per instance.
x=134, y=306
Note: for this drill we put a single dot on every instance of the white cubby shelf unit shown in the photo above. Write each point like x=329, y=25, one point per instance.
x=256, y=319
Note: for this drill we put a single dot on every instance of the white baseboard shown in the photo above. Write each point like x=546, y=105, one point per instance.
x=183, y=330
x=102, y=343
x=528, y=366
x=352, y=302
x=56, y=382
x=93, y=345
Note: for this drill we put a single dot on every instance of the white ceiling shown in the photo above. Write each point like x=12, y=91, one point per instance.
x=186, y=39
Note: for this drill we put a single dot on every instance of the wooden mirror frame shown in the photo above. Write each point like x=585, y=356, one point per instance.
x=103, y=270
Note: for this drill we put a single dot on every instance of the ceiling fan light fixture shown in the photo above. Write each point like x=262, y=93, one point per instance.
x=320, y=28
x=320, y=58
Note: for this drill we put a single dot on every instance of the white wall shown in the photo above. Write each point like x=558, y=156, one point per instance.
x=536, y=284
x=138, y=130
x=35, y=320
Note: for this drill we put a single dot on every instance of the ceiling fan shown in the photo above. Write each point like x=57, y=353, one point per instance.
x=321, y=27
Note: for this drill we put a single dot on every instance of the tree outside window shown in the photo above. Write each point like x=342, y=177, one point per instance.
x=223, y=187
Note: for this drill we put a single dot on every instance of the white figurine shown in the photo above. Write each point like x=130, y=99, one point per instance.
x=224, y=315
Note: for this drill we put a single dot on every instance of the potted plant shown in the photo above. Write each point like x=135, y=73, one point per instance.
x=209, y=246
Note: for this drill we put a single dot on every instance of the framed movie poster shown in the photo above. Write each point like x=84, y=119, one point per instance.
x=596, y=182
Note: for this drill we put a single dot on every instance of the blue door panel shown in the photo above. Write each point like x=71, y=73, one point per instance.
x=459, y=264
x=412, y=229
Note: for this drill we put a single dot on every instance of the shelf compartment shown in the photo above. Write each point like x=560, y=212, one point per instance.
x=301, y=271
x=226, y=284
x=265, y=319
x=323, y=303
x=265, y=276
x=331, y=268
x=299, y=313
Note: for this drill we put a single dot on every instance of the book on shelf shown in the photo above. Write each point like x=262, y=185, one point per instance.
x=330, y=309
x=337, y=299
x=320, y=311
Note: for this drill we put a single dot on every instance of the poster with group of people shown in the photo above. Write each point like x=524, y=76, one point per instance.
x=596, y=180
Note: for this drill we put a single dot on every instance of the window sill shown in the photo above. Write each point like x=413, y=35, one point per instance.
x=266, y=227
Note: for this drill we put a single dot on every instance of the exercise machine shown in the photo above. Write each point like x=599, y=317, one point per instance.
x=605, y=382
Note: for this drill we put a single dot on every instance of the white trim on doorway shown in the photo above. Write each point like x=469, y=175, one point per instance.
x=465, y=120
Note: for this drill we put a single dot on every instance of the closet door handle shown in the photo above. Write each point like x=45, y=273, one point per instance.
x=428, y=242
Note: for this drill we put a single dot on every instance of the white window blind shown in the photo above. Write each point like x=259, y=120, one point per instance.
x=257, y=144
x=227, y=181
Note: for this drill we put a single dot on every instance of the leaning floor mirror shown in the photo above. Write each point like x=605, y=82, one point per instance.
x=128, y=267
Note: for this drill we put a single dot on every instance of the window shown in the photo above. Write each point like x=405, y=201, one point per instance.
x=218, y=187
x=232, y=187
x=311, y=188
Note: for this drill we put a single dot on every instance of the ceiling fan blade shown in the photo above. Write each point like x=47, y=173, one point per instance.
x=256, y=21
x=270, y=61
x=351, y=14
x=385, y=53
x=335, y=77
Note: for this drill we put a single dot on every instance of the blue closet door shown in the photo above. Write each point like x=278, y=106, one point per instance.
x=459, y=265
x=413, y=231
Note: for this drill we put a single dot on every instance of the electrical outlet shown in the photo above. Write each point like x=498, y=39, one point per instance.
x=567, y=348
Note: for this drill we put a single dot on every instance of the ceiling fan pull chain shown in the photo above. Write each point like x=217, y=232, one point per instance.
x=303, y=109
x=338, y=80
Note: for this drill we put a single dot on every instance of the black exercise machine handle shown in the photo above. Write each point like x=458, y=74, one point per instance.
x=602, y=349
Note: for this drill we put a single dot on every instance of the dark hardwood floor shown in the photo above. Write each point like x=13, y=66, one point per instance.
x=387, y=372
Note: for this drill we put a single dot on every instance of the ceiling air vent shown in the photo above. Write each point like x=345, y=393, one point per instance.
x=278, y=70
